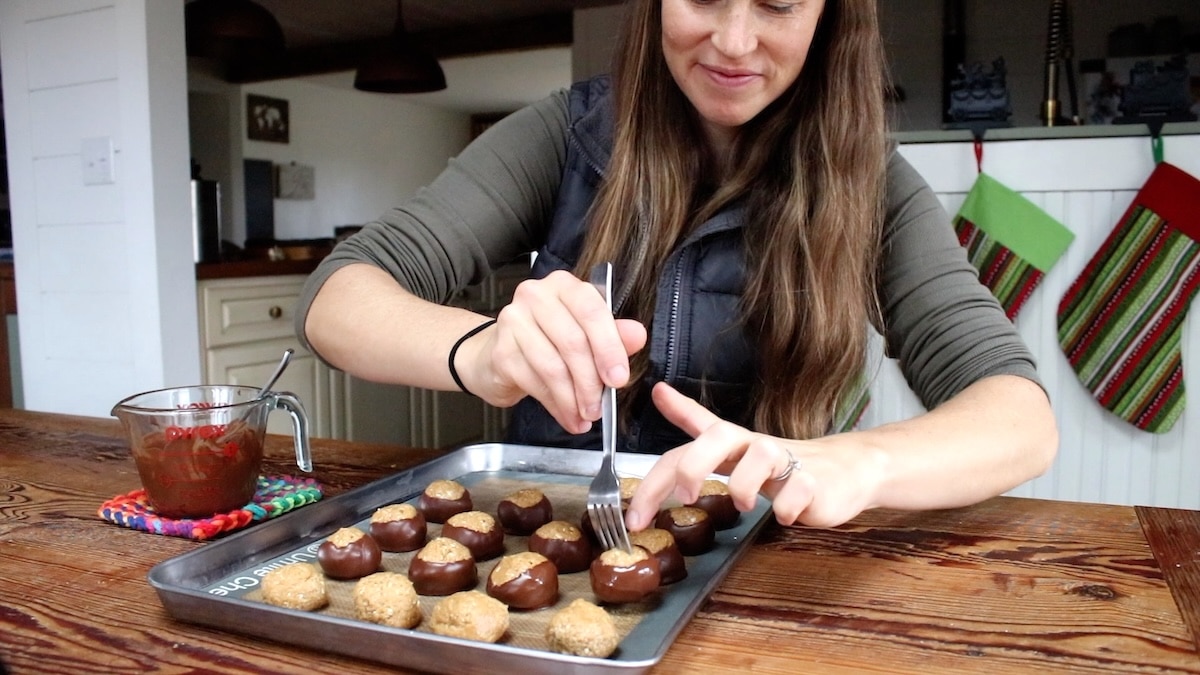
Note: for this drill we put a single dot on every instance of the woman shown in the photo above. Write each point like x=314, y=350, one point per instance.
x=737, y=172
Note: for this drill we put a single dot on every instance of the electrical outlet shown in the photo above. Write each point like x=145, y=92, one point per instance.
x=97, y=157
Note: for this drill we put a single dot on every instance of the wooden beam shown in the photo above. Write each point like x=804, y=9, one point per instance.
x=537, y=32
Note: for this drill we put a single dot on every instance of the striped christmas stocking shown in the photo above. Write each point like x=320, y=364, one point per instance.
x=1121, y=321
x=1011, y=241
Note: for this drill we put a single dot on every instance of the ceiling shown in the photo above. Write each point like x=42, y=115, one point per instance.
x=309, y=23
x=497, y=54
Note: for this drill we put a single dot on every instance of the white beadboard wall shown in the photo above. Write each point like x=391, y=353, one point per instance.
x=105, y=281
x=1086, y=184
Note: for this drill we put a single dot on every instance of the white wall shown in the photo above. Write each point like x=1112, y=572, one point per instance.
x=104, y=274
x=368, y=151
x=1086, y=184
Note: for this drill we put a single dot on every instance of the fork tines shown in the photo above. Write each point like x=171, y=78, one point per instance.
x=609, y=526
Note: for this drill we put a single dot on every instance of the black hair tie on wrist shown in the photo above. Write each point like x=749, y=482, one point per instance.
x=454, y=350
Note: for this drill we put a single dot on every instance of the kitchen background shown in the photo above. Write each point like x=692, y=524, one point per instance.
x=106, y=283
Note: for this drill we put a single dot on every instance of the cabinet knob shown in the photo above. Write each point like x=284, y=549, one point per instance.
x=275, y=312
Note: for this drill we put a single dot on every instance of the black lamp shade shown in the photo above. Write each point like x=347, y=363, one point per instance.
x=400, y=69
x=231, y=29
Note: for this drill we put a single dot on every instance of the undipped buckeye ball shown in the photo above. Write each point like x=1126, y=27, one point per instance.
x=583, y=629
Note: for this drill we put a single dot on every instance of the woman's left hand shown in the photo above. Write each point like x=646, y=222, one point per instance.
x=834, y=478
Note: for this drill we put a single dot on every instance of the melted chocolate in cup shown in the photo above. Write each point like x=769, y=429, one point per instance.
x=193, y=472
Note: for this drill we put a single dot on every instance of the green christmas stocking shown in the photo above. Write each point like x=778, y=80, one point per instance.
x=1011, y=241
x=1121, y=322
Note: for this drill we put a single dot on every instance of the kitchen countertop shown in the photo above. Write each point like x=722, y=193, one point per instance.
x=254, y=268
x=1010, y=585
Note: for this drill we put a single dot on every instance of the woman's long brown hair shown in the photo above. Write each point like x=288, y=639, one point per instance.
x=810, y=168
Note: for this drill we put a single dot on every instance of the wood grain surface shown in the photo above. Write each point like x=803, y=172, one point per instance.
x=1174, y=537
x=1007, y=586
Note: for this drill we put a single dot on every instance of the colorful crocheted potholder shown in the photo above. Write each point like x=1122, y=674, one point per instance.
x=274, y=496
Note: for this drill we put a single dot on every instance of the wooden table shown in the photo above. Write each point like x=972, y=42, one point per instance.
x=1010, y=585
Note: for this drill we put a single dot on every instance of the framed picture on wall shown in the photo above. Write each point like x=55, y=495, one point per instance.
x=266, y=119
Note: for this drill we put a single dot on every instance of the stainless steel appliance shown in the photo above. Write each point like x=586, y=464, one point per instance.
x=206, y=220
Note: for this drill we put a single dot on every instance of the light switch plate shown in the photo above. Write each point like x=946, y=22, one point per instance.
x=96, y=155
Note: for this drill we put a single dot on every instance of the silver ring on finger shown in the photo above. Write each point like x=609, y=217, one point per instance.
x=793, y=465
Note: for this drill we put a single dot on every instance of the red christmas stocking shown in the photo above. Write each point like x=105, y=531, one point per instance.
x=1120, y=323
x=1011, y=241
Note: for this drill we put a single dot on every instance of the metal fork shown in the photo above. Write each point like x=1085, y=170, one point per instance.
x=604, y=495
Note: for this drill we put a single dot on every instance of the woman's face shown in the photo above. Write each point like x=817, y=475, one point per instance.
x=732, y=58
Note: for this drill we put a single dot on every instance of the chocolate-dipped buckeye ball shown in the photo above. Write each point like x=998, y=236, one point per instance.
x=692, y=528
x=629, y=485
x=441, y=567
x=442, y=499
x=524, y=581
x=564, y=544
x=716, y=500
x=398, y=528
x=661, y=544
x=524, y=511
x=585, y=526
x=349, y=553
x=477, y=531
x=618, y=576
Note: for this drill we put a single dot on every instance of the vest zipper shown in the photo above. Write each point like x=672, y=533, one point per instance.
x=673, y=319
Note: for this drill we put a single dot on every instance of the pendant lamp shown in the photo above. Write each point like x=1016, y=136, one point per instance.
x=402, y=67
x=231, y=30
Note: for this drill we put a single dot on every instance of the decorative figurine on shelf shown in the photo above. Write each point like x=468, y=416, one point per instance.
x=979, y=97
x=1157, y=93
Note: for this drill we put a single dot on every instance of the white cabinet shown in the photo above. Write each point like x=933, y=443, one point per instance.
x=247, y=322
x=245, y=326
x=448, y=418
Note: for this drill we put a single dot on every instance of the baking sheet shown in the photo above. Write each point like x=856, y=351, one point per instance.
x=217, y=585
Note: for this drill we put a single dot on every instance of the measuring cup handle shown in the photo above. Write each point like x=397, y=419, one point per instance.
x=287, y=401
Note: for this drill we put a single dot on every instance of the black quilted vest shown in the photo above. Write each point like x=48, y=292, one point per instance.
x=696, y=341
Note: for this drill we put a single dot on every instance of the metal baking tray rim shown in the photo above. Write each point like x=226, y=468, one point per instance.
x=180, y=581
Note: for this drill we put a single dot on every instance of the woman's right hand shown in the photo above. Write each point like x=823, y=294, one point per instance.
x=557, y=342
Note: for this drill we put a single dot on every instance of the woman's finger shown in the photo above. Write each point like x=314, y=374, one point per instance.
x=764, y=459
x=655, y=487
x=682, y=411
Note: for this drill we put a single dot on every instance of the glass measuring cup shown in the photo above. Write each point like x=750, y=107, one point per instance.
x=199, y=449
